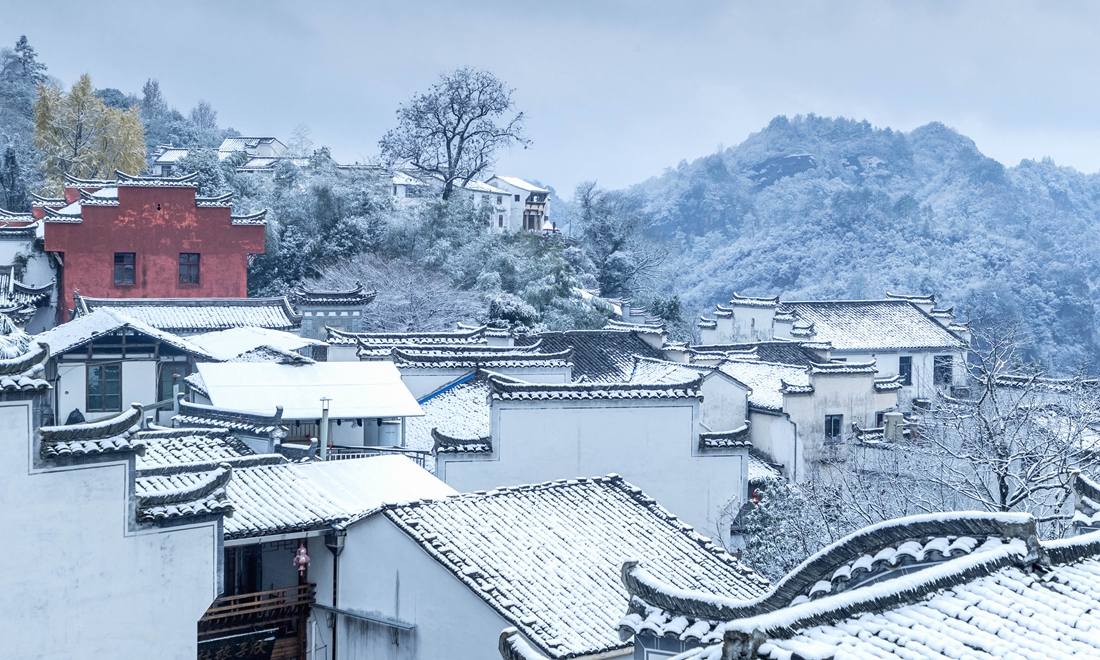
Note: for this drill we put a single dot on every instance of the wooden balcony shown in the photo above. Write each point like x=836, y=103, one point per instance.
x=284, y=610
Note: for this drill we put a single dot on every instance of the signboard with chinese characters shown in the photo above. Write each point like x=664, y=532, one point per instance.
x=249, y=646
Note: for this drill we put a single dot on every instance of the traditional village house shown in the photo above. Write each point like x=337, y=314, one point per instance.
x=649, y=430
x=165, y=158
x=906, y=336
x=99, y=548
x=149, y=237
x=448, y=574
x=358, y=404
x=340, y=310
x=950, y=585
x=799, y=414
x=28, y=295
x=104, y=360
x=529, y=207
x=283, y=513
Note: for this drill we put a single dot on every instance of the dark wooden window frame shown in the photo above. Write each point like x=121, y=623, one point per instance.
x=190, y=268
x=834, y=427
x=125, y=268
x=103, y=405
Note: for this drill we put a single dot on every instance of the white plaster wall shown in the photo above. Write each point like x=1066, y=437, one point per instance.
x=139, y=382
x=383, y=572
x=343, y=353
x=80, y=582
x=139, y=385
x=725, y=403
x=752, y=323
x=774, y=436
x=850, y=395
x=651, y=444
x=71, y=389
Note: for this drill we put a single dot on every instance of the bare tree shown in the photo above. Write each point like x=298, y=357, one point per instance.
x=410, y=297
x=1013, y=444
x=454, y=130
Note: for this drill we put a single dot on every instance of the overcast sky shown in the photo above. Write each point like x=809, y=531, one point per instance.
x=614, y=91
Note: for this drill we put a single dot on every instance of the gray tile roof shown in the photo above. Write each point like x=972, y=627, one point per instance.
x=873, y=325
x=105, y=436
x=190, y=445
x=461, y=411
x=196, y=315
x=508, y=389
x=547, y=557
x=599, y=356
x=976, y=586
x=301, y=296
x=88, y=327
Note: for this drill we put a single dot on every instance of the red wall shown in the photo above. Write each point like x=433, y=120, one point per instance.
x=156, y=237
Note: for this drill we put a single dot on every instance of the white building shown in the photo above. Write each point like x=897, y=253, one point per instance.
x=528, y=204
x=94, y=551
x=102, y=361
x=442, y=578
x=368, y=402
x=28, y=275
x=905, y=336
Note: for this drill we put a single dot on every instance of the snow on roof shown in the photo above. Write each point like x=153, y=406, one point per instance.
x=458, y=411
x=197, y=315
x=760, y=470
x=481, y=187
x=232, y=144
x=766, y=380
x=166, y=155
x=278, y=499
x=104, y=436
x=177, y=446
x=873, y=325
x=357, y=296
x=356, y=389
x=945, y=585
x=363, y=485
x=598, y=355
x=87, y=327
x=228, y=344
x=520, y=183
x=547, y=557
x=475, y=357
x=389, y=339
x=655, y=372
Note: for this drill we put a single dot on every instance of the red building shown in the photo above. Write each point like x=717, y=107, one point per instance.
x=146, y=237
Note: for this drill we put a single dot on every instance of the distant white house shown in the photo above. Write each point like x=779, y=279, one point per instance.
x=529, y=205
x=906, y=336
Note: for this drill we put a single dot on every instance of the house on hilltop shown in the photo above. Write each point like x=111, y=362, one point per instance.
x=528, y=204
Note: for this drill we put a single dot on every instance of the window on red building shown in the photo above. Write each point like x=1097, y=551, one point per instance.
x=124, y=267
x=189, y=268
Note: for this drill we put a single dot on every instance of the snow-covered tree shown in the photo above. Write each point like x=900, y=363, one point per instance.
x=454, y=130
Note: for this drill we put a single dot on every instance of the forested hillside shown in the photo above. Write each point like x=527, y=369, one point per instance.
x=813, y=207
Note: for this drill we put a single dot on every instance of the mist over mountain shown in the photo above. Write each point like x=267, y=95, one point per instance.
x=815, y=207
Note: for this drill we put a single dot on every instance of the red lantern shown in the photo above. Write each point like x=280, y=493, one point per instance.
x=301, y=559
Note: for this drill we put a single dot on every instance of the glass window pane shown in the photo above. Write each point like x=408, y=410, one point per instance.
x=114, y=402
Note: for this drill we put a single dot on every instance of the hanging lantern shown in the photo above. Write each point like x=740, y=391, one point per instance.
x=301, y=559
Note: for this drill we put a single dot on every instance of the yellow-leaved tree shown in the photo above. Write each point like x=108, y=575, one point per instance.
x=77, y=134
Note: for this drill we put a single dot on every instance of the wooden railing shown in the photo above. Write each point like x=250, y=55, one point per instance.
x=277, y=607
